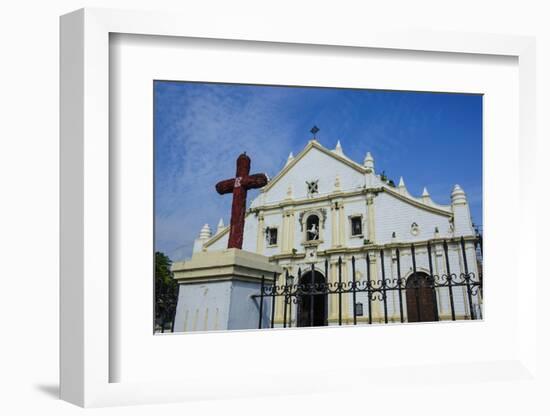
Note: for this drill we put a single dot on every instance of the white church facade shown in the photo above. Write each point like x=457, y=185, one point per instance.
x=326, y=214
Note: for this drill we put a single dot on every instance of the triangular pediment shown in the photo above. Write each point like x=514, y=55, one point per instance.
x=314, y=163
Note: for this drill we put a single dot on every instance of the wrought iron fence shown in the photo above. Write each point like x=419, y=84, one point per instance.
x=421, y=296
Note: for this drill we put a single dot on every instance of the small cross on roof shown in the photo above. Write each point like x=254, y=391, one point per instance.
x=314, y=130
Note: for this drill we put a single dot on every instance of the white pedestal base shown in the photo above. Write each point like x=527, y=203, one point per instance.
x=216, y=291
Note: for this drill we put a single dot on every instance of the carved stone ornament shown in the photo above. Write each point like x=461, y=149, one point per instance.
x=312, y=187
x=370, y=198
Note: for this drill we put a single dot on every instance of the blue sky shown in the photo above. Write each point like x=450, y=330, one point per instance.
x=431, y=139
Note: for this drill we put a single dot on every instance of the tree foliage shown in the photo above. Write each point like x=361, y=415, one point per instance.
x=166, y=291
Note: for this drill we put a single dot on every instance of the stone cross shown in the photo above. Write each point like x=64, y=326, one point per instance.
x=239, y=186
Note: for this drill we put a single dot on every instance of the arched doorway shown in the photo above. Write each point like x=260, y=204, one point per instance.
x=421, y=300
x=317, y=301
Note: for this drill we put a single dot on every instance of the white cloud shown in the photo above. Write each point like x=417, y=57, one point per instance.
x=213, y=128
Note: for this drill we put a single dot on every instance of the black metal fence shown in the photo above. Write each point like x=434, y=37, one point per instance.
x=308, y=293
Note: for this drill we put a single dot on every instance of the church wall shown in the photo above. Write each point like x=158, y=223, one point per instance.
x=456, y=266
x=394, y=215
x=249, y=237
x=221, y=244
x=382, y=214
x=353, y=207
x=406, y=266
x=391, y=273
x=387, y=209
x=250, y=233
x=314, y=165
x=327, y=232
x=272, y=219
x=462, y=219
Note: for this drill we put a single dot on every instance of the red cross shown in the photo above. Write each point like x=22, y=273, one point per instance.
x=239, y=186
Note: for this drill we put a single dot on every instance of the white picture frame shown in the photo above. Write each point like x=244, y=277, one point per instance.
x=86, y=353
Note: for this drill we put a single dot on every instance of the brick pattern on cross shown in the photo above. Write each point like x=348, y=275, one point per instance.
x=239, y=186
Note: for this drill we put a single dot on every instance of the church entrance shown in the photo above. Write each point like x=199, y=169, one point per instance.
x=421, y=300
x=312, y=310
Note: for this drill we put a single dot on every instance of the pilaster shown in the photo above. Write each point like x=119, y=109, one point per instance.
x=261, y=236
x=375, y=304
x=371, y=229
x=333, y=299
x=346, y=316
x=279, y=300
x=341, y=225
x=334, y=226
x=292, y=229
x=287, y=237
x=338, y=224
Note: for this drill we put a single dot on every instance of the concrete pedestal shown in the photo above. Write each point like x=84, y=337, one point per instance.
x=216, y=290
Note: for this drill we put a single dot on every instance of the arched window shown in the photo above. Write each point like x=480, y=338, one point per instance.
x=312, y=228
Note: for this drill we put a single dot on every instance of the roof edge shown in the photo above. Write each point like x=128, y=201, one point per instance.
x=312, y=144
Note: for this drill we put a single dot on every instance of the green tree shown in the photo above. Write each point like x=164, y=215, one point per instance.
x=166, y=292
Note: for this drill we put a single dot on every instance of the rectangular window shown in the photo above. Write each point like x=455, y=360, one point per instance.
x=272, y=236
x=358, y=309
x=356, y=226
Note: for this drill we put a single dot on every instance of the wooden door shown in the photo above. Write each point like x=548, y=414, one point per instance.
x=421, y=301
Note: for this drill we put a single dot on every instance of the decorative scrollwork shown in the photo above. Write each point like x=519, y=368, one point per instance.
x=475, y=290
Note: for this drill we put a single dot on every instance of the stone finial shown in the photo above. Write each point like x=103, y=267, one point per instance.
x=426, y=196
x=290, y=158
x=205, y=233
x=458, y=196
x=221, y=226
x=338, y=149
x=369, y=162
x=401, y=183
